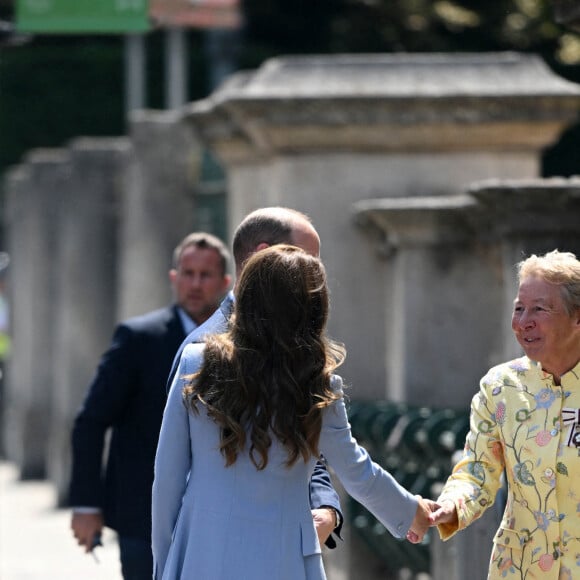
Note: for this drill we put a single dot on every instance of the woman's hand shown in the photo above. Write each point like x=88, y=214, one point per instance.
x=422, y=520
x=446, y=514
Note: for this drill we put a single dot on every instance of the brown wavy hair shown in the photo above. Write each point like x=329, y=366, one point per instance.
x=269, y=375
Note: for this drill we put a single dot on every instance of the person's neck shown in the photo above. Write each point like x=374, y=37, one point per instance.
x=558, y=374
x=195, y=319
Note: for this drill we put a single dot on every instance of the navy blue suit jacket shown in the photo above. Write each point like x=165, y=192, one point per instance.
x=321, y=491
x=128, y=395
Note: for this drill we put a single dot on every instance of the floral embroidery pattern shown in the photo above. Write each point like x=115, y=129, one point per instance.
x=516, y=424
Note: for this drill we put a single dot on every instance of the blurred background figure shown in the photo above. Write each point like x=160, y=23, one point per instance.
x=128, y=396
x=4, y=333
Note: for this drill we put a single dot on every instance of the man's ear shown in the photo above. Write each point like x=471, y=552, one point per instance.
x=239, y=267
x=576, y=317
x=172, y=275
x=261, y=246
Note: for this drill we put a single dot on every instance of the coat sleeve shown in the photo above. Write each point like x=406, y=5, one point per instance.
x=215, y=324
x=173, y=461
x=363, y=479
x=322, y=493
x=475, y=479
x=106, y=400
x=175, y=363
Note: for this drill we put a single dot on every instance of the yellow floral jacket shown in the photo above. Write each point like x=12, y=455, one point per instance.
x=521, y=420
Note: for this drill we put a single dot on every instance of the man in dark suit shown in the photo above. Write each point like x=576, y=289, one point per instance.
x=128, y=397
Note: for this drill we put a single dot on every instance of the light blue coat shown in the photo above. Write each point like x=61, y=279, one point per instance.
x=216, y=523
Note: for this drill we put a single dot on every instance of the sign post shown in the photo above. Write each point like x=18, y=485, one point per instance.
x=133, y=18
x=178, y=15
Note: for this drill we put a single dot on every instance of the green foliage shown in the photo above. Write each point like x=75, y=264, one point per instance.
x=404, y=25
x=51, y=91
x=55, y=88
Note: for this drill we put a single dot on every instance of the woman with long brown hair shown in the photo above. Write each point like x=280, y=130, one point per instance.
x=242, y=430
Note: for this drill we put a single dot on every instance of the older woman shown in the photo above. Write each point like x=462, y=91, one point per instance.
x=526, y=418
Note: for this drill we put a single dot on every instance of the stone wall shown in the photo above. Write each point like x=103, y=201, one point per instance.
x=337, y=137
x=91, y=228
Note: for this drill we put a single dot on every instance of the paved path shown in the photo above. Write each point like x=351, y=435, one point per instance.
x=35, y=538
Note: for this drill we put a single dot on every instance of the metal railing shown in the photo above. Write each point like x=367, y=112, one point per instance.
x=416, y=445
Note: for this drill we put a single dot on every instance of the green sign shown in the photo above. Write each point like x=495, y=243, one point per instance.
x=82, y=16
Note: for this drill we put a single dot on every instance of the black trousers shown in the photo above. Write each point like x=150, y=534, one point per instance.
x=136, y=558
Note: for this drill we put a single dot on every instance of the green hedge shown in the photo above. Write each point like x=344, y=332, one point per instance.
x=56, y=88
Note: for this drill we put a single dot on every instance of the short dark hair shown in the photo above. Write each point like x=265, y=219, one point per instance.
x=203, y=241
x=270, y=225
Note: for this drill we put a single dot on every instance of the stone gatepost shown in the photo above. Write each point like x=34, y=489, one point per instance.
x=85, y=305
x=16, y=392
x=437, y=273
x=158, y=208
x=321, y=134
x=453, y=263
x=34, y=201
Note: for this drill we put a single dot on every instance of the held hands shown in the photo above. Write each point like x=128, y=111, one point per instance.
x=86, y=528
x=435, y=514
x=423, y=519
x=445, y=514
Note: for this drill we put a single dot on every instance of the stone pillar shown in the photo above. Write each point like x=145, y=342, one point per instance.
x=158, y=209
x=453, y=268
x=435, y=296
x=35, y=192
x=85, y=306
x=16, y=187
x=523, y=217
x=322, y=133
x=467, y=554
x=446, y=301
